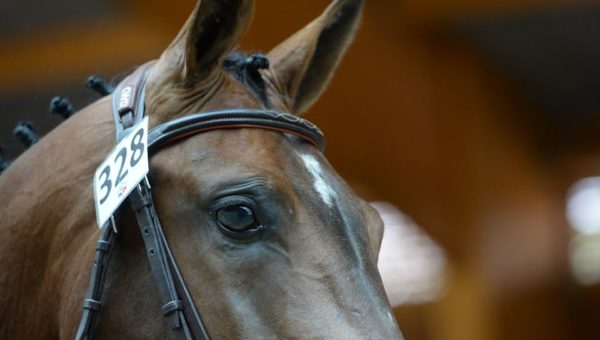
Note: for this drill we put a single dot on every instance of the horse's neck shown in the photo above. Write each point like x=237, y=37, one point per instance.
x=46, y=212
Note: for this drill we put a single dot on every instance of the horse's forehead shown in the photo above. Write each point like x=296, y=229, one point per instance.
x=220, y=154
x=224, y=155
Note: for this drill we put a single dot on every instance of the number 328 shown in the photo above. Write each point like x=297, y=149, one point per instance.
x=137, y=148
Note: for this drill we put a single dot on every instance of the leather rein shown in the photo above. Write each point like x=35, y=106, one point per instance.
x=128, y=110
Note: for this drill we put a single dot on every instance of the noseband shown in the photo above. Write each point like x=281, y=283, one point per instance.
x=128, y=110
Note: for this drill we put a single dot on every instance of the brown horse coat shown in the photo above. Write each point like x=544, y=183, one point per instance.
x=313, y=275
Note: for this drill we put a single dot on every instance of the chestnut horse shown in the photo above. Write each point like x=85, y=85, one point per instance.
x=311, y=273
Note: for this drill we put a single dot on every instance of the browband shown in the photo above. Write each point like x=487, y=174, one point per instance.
x=234, y=118
x=128, y=110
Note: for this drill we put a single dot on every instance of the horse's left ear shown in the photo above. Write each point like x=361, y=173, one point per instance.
x=304, y=63
x=199, y=49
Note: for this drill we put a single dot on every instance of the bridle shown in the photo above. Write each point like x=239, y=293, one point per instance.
x=128, y=110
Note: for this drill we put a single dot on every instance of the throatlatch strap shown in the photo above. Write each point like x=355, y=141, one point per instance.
x=93, y=298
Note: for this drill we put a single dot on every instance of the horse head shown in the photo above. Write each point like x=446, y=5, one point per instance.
x=270, y=240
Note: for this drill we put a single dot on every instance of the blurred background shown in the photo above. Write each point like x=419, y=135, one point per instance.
x=478, y=120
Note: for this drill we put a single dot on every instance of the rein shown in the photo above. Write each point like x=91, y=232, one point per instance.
x=128, y=110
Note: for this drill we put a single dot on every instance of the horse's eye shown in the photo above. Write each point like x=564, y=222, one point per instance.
x=237, y=218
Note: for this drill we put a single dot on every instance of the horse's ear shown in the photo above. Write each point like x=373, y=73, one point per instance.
x=209, y=34
x=304, y=63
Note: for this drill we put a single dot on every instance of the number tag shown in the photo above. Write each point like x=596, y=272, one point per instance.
x=123, y=169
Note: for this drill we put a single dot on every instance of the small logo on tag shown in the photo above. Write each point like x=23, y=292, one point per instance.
x=125, y=99
x=122, y=190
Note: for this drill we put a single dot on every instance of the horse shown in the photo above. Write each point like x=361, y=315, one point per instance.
x=271, y=242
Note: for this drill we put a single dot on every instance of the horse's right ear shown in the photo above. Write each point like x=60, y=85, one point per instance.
x=302, y=65
x=199, y=49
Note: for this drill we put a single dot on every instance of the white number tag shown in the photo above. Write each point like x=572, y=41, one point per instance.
x=123, y=169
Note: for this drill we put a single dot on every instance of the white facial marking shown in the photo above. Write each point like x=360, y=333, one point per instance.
x=324, y=189
x=391, y=318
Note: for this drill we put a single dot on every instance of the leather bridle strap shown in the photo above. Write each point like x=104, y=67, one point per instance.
x=128, y=110
x=185, y=320
x=231, y=119
x=93, y=298
x=154, y=238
